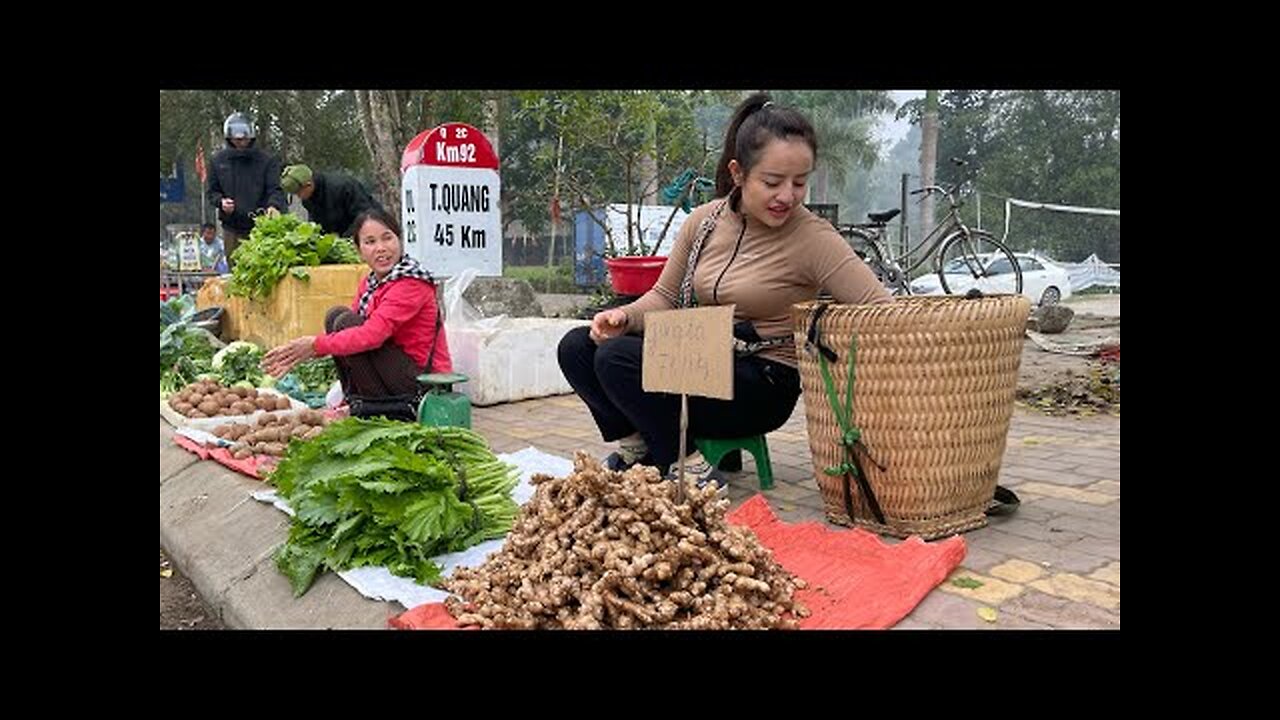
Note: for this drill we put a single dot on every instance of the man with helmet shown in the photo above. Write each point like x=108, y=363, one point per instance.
x=244, y=181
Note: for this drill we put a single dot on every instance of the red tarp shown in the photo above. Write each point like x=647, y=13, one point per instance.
x=855, y=579
x=255, y=466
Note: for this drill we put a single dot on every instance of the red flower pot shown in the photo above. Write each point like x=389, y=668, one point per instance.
x=634, y=275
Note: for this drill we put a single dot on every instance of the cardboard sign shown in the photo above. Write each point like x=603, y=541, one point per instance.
x=689, y=352
x=188, y=251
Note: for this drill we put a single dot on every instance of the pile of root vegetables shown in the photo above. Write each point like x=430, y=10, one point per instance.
x=271, y=434
x=601, y=549
x=209, y=398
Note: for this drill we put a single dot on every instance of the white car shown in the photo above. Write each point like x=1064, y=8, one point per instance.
x=1042, y=281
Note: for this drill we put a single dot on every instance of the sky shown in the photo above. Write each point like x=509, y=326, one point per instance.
x=895, y=130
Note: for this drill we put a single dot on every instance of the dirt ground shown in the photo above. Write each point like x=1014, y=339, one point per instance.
x=180, y=607
x=1069, y=384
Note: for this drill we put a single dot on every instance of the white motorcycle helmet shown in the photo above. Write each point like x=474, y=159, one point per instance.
x=238, y=125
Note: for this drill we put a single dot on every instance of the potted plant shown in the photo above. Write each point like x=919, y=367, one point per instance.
x=617, y=144
x=635, y=274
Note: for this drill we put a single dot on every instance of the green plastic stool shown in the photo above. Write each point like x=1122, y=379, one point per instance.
x=715, y=448
x=440, y=405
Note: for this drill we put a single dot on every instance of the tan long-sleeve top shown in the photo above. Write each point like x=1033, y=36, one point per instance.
x=763, y=271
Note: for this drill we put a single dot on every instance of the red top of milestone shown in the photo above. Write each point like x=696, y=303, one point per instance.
x=451, y=144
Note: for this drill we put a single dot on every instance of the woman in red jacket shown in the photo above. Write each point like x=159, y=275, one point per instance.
x=393, y=330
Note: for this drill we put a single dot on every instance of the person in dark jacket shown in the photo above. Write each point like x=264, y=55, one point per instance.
x=333, y=200
x=244, y=182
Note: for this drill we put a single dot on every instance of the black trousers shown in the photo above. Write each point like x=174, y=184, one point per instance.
x=382, y=372
x=608, y=379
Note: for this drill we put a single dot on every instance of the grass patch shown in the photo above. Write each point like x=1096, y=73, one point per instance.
x=557, y=279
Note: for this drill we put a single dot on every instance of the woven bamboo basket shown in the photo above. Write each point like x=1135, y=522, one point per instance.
x=933, y=394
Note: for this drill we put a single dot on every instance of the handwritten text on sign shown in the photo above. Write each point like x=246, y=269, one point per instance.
x=188, y=251
x=689, y=352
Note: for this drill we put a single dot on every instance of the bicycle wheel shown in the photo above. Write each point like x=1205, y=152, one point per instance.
x=887, y=271
x=976, y=260
x=872, y=252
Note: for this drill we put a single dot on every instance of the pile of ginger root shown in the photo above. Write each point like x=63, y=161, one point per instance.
x=606, y=550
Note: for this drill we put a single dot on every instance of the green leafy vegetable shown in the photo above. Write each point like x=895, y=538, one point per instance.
x=381, y=492
x=185, y=351
x=239, y=362
x=281, y=245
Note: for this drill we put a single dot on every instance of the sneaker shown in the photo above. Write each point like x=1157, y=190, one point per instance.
x=1005, y=502
x=713, y=476
x=615, y=462
x=702, y=473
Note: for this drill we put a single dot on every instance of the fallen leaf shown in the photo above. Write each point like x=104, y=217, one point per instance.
x=166, y=573
x=967, y=583
x=988, y=614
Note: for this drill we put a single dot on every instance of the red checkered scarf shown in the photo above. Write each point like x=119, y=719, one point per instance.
x=407, y=267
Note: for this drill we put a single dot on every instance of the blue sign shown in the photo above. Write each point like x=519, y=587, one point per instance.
x=173, y=189
x=588, y=251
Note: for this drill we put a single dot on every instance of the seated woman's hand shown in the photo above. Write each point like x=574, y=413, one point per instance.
x=608, y=324
x=280, y=360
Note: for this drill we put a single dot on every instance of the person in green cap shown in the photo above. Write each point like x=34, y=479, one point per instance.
x=332, y=199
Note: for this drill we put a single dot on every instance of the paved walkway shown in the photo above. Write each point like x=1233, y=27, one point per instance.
x=1055, y=563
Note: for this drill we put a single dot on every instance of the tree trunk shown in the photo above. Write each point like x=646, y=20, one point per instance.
x=647, y=175
x=379, y=114
x=818, y=191
x=294, y=122
x=629, y=176
x=492, y=109
x=555, y=200
x=928, y=156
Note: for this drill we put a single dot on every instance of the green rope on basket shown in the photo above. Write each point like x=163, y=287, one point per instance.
x=850, y=434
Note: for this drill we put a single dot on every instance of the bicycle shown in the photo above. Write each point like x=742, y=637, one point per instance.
x=965, y=259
